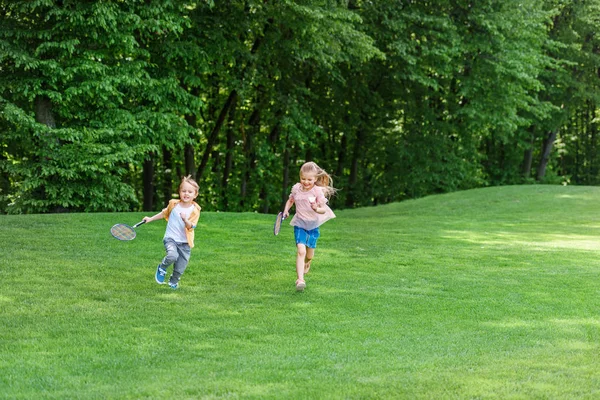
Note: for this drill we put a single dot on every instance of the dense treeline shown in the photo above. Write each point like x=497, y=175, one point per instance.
x=104, y=105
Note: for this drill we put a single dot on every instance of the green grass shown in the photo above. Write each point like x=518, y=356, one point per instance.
x=484, y=294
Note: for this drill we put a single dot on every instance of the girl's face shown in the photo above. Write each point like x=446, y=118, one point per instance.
x=307, y=181
x=187, y=193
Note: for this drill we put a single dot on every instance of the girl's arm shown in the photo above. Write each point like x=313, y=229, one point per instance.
x=288, y=205
x=319, y=205
x=160, y=215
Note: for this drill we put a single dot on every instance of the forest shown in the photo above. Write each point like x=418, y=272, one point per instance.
x=105, y=105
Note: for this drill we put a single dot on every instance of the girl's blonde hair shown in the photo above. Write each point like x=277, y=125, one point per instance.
x=188, y=179
x=323, y=179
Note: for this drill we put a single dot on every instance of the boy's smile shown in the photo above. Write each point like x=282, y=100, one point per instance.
x=187, y=193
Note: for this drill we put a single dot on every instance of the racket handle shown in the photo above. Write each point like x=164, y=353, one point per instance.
x=139, y=223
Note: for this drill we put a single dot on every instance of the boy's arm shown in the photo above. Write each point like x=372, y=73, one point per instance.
x=160, y=215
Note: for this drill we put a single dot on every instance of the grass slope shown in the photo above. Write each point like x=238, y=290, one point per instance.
x=489, y=293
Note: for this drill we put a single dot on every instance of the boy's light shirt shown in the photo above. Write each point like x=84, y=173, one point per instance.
x=175, y=225
x=193, y=218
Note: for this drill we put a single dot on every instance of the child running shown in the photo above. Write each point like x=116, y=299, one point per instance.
x=182, y=216
x=310, y=196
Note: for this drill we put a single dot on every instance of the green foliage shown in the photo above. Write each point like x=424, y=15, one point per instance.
x=79, y=103
x=574, y=87
x=396, y=99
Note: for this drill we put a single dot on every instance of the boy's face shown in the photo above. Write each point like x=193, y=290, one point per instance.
x=187, y=193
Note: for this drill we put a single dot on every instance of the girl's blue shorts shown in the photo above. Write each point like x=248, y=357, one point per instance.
x=307, y=238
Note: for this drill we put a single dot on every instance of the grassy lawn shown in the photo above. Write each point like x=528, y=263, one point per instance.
x=485, y=294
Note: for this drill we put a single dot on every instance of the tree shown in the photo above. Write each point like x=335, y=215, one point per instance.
x=104, y=105
x=573, y=87
x=78, y=101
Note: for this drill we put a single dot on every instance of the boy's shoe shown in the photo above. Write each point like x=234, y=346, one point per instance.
x=160, y=275
x=173, y=285
x=300, y=285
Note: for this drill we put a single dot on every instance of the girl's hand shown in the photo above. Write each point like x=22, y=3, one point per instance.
x=182, y=215
x=317, y=208
x=147, y=219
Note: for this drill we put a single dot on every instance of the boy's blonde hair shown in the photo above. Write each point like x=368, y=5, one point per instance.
x=188, y=179
x=323, y=179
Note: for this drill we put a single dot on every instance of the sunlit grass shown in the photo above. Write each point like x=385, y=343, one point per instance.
x=489, y=293
x=534, y=241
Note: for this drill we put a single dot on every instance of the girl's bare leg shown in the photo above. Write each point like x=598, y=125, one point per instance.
x=310, y=253
x=300, y=256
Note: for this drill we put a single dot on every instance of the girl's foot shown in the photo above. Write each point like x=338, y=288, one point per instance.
x=307, y=267
x=300, y=285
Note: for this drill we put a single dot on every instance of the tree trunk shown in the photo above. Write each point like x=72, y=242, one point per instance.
x=286, y=177
x=265, y=199
x=229, y=152
x=249, y=156
x=579, y=160
x=43, y=111
x=593, y=143
x=168, y=175
x=527, y=162
x=190, y=160
x=188, y=151
x=215, y=133
x=44, y=115
x=148, y=176
x=273, y=138
x=546, y=150
x=528, y=157
x=339, y=171
x=228, y=167
x=5, y=186
x=357, y=153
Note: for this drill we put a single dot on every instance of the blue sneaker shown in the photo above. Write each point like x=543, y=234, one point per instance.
x=160, y=275
x=173, y=285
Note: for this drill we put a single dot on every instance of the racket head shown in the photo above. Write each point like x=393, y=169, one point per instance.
x=277, y=226
x=122, y=232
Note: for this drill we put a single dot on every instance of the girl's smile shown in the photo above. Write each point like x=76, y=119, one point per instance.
x=307, y=181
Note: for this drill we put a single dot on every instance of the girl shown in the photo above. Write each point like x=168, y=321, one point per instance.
x=310, y=196
x=182, y=216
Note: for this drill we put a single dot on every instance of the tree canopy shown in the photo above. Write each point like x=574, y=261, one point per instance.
x=105, y=105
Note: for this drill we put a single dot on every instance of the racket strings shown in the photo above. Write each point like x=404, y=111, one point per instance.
x=278, y=223
x=122, y=232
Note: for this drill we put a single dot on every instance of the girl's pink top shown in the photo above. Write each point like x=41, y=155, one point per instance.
x=305, y=216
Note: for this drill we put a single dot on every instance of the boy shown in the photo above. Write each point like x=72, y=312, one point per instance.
x=182, y=216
